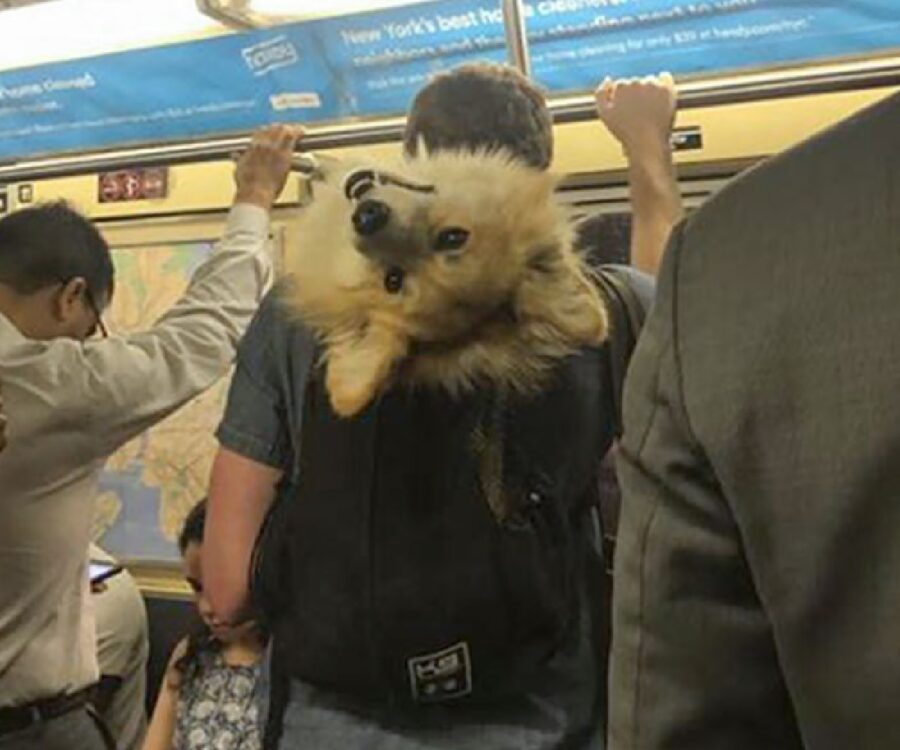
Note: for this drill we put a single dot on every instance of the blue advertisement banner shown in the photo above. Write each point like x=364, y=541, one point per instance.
x=371, y=64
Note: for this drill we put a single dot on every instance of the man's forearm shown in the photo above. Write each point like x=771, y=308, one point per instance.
x=655, y=203
x=639, y=113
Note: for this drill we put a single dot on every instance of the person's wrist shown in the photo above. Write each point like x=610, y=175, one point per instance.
x=649, y=149
x=255, y=196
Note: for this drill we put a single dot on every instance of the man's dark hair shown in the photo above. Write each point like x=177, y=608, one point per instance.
x=605, y=239
x=482, y=105
x=52, y=243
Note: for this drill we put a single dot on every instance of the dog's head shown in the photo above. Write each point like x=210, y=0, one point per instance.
x=430, y=260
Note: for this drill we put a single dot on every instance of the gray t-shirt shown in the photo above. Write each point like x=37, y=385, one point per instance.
x=263, y=422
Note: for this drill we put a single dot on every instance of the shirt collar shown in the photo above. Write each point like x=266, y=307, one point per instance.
x=8, y=331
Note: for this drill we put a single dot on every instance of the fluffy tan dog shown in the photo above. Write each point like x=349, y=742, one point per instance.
x=452, y=269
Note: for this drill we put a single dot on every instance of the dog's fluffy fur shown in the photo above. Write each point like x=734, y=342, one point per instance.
x=500, y=310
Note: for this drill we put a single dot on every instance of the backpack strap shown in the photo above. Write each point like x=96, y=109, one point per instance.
x=626, y=318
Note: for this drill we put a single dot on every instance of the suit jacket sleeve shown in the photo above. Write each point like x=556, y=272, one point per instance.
x=691, y=645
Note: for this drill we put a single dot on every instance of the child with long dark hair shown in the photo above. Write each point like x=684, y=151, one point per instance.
x=207, y=699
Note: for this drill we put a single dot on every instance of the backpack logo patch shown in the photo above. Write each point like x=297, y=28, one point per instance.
x=441, y=676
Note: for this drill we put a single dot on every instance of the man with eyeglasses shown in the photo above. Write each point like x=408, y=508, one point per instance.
x=72, y=400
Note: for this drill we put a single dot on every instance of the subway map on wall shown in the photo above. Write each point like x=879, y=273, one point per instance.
x=149, y=485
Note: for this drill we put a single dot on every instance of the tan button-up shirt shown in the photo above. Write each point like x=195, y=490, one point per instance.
x=70, y=405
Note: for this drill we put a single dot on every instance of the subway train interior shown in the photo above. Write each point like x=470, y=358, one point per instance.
x=135, y=113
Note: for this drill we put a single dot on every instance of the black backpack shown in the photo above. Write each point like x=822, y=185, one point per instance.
x=384, y=573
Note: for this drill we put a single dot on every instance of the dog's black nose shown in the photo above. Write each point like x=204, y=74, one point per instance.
x=370, y=217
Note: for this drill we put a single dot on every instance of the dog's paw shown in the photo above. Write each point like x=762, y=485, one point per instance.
x=359, y=370
x=349, y=394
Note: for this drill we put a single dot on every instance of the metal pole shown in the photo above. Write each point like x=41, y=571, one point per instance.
x=516, y=35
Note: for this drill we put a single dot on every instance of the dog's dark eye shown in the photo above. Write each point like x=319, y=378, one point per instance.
x=452, y=238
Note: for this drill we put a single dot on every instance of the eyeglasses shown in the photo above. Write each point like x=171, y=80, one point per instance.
x=91, y=300
x=92, y=303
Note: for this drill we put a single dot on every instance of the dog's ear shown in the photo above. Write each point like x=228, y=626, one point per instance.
x=359, y=367
x=556, y=293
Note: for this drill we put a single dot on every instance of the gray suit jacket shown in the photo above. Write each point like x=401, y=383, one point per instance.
x=758, y=569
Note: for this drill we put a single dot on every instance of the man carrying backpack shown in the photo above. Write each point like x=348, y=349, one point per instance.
x=404, y=616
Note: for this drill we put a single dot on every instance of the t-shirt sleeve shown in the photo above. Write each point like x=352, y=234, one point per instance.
x=255, y=424
x=642, y=284
x=644, y=287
